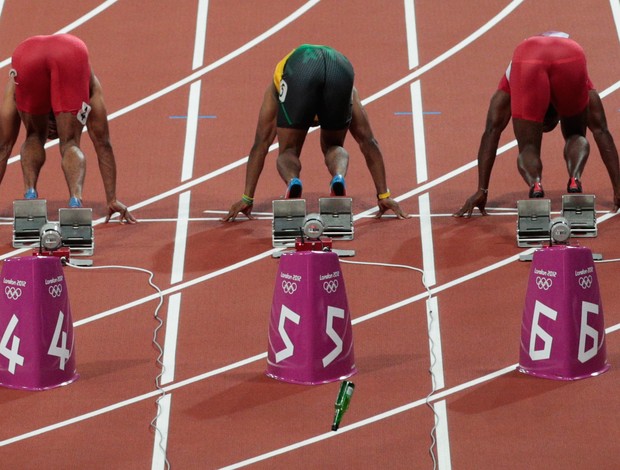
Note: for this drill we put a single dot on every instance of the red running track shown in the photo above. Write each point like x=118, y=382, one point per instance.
x=218, y=278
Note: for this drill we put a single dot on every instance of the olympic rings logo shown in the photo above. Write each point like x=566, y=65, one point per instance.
x=330, y=286
x=585, y=282
x=12, y=293
x=55, y=290
x=289, y=287
x=544, y=283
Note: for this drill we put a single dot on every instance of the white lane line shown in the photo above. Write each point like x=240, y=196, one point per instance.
x=439, y=432
x=615, y=11
x=200, y=39
x=70, y=27
x=191, y=131
x=412, y=34
x=180, y=239
x=170, y=350
x=417, y=120
x=426, y=234
x=160, y=445
x=160, y=442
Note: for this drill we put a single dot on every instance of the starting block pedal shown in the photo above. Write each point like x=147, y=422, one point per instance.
x=29, y=215
x=288, y=219
x=337, y=214
x=578, y=210
x=76, y=230
x=534, y=216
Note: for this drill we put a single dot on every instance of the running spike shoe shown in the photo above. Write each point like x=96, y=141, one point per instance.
x=31, y=194
x=536, y=191
x=294, y=189
x=337, y=187
x=574, y=185
x=74, y=203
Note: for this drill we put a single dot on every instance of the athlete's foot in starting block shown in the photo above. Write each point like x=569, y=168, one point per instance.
x=294, y=189
x=337, y=187
x=75, y=203
x=573, y=186
x=31, y=194
x=536, y=191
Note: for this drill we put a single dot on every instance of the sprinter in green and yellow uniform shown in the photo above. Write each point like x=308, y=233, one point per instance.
x=313, y=85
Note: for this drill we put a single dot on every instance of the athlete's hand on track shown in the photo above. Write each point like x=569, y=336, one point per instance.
x=479, y=200
x=390, y=204
x=236, y=208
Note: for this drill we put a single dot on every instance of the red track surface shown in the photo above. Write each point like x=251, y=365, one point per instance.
x=509, y=421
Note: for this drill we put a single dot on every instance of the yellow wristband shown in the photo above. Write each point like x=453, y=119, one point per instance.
x=384, y=195
x=247, y=199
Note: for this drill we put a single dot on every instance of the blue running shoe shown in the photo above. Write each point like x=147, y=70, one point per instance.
x=31, y=194
x=294, y=189
x=337, y=186
x=74, y=203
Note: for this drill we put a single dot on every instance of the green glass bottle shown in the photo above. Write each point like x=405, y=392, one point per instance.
x=342, y=402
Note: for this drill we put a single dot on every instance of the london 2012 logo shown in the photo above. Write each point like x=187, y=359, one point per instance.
x=585, y=282
x=55, y=290
x=12, y=293
x=289, y=287
x=543, y=283
x=330, y=286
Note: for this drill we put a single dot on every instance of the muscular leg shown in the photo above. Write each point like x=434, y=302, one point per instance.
x=576, y=148
x=336, y=157
x=290, y=142
x=576, y=152
x=529, y=139
x=33, y=150
x=73, y=159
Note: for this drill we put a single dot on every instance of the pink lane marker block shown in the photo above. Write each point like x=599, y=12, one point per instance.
x=310, y=334
x=562, y=329
x=36, y=330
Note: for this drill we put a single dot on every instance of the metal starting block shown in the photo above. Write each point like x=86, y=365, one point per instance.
x=578, y=209
x=29, y=215
x=288, y=219
x=533, y=220
x=76, y=230
x=337, y=214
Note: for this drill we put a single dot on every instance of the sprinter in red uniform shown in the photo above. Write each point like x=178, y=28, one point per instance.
x=53, y=90
x=546, y=81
